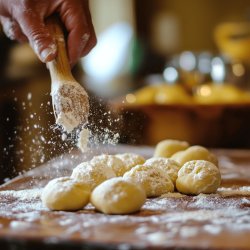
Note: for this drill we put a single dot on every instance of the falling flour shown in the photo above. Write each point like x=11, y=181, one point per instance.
x=83, y=139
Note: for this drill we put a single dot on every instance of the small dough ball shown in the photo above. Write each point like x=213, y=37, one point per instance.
x=110, y=161
x=129, y=160
x=167, y=148
x=92, y=173
x=66, y=194
x=194, y=153
x=154, y=181
x=197, y=177
x=118, y=196
x=170, y=166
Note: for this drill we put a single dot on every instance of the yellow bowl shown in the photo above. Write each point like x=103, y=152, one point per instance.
x=233, y=40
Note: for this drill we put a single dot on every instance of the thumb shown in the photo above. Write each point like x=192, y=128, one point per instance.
x=39, y=37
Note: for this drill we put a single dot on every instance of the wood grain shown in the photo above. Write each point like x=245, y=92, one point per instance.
x=59, y=68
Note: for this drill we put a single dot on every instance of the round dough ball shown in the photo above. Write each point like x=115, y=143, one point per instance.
x=170, y=166
x=129, y=160
x=66, y=194
x=118, y=196
x=167, y=148
x=197, y=177
x=110, y=161
x=194, y=153
x=92, y=173
x=154, y=181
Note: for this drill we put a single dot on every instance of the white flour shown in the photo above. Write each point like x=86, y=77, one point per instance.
x=161, y=220
x=92, y=173
x=83, y=139
x=36, y=140
x=70, y=103
x=154, y=180
x=171, y=167
x=9, y=28
x=111, y=161
x=244, y=190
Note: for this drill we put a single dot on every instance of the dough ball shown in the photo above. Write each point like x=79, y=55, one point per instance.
x=110, y=161
x=167, y=148
x=118, y=196
x=154, y=181
x=129, y=160
x=197, y=177
x=66, y=194
x=194, y=153
x=170, y=166
x=92, y=173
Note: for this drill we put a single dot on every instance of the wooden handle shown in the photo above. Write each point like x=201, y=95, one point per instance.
x=59, y=68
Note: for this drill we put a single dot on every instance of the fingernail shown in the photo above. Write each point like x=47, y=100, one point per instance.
x=48, y=53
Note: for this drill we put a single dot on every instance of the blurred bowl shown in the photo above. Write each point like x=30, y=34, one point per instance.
x=233, y=40
x=159, y=94
x=211, y=93
x=213, y=125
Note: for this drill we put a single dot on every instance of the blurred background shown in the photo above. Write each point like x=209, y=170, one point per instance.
x=161, y=69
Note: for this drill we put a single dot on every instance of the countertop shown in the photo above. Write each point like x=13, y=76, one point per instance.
x=215, y=221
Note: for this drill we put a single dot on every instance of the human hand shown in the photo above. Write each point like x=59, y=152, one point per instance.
x=24, y=20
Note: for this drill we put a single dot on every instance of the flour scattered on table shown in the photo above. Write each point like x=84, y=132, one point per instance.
x=21, y=204
x=173, y=215
x=23, y=195
x=244, y=190
x=20, y=225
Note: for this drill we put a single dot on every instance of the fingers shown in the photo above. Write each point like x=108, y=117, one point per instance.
x=38, y=35
x=12, y=29
x=81, y=36
x=27, y=22
x=92, y=41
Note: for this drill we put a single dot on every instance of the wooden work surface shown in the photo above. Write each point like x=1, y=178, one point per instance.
x=216, y=221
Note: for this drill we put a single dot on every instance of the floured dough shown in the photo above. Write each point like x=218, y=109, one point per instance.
x=118, y=196
x=66, y=194
x=111, y=161
x=170, y=166
x=129, y=160
x=169, y=147
x=197, y=177
x=92, y=173
x=194, y=153
x=154, y=181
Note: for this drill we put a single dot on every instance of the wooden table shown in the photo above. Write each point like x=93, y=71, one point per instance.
x=216, y=221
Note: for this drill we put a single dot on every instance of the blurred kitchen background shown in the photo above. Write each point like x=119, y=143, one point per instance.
x=162, y=69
